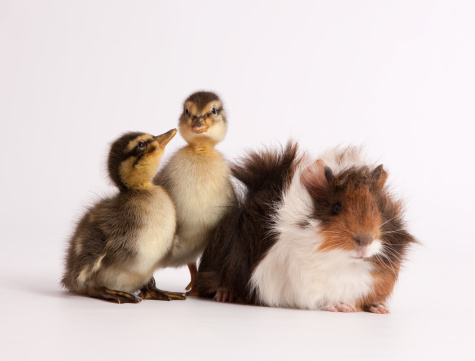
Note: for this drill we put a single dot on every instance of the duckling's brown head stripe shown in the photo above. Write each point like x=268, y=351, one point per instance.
x=140, y=147
x=204, y=116
x=118, y=153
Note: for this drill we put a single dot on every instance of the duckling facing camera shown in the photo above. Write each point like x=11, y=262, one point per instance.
x=197, y=177
x=122, y=240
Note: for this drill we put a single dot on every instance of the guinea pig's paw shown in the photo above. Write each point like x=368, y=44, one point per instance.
x=378, y=308
x=341, y=307
x=223, y=295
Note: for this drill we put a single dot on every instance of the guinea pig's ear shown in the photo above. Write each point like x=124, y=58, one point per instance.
x=318, y=174
x=379, y=177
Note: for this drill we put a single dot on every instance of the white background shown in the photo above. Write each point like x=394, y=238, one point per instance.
x=397, y=76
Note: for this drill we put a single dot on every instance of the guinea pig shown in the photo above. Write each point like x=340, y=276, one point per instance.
x=319, y=234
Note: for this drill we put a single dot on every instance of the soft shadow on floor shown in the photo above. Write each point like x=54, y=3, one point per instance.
x=46, y=284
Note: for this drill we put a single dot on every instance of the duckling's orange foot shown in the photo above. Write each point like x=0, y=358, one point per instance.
x=175, y=295
x=190, y=291
x=106, y=294
x=224, y=295
x=341, y=307
x=151, y=292
x=378, y=308
x=161, y=295
x=193, y=271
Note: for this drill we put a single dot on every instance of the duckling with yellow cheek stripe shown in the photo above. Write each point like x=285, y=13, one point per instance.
x=122, y=240
x=197, y=178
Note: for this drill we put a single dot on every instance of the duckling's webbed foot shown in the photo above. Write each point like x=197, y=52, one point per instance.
x=107, y=294
x=151, y=292
x=193, y=271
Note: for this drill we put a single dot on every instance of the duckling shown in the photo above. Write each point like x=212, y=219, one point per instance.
x=197, y=178
x=122, y=240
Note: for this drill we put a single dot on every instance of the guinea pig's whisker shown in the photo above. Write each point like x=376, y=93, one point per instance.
x=388, y=246
x=388, y=256
x=392, y=264
x=396, y=231
x=388, y=264
x=390, y=268
x=387, y=221
x=394, y=253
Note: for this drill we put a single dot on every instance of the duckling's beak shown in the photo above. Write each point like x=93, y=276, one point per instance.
x=199, y=127
x=164, y=138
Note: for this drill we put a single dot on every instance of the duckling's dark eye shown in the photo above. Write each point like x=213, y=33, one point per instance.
x=141, y=144
x=336, y=209
x=214, y=111
x=186, y=111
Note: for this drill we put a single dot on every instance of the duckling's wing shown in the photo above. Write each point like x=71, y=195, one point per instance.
x=86, y=247
x=119, y=222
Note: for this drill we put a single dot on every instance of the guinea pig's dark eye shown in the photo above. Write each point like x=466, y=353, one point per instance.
x=336, y=209
x=214, y=111
x=186, y=111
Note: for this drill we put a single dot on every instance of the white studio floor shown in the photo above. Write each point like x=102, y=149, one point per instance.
x=431, y=318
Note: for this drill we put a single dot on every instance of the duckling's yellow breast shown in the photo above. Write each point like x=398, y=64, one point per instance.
x=155, y=238
x=200, y=186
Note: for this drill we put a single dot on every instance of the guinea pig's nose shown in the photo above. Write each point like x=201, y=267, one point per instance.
x=362, y=240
